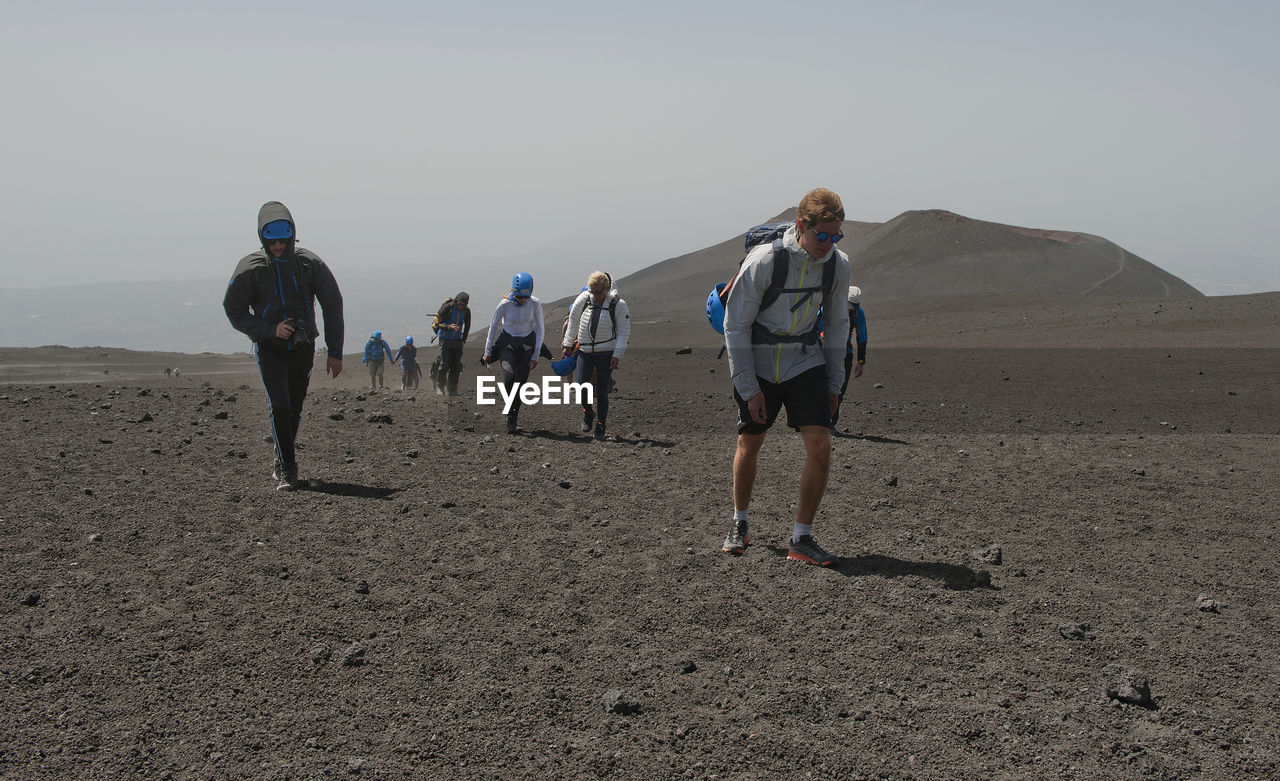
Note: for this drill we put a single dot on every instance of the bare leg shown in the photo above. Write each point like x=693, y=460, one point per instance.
x=744, y=469
x=817, y=465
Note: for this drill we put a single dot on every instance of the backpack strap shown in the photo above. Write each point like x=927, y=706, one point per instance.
x=613, y=316
x=777, y=286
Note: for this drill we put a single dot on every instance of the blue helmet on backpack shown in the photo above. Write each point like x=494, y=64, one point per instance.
x=715, y=308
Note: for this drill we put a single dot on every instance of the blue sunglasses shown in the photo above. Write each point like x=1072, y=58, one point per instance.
x=820, y=236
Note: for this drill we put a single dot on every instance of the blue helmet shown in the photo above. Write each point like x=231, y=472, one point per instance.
x=522, y=284
x=564, y=366
x=408, y=340
x=277, y=229
x=376, y=335
x=715, y=308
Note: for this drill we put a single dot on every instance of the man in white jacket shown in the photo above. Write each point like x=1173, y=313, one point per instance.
x=599, y=327
x=777, y=360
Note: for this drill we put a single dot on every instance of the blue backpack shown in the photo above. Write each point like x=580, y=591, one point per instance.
x=772, y=233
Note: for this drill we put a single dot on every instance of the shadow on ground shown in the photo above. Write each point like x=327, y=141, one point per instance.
x=350, y=489
x=560, y=436
x=952, y=576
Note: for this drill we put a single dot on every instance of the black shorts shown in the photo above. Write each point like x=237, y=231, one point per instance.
x=806, y=397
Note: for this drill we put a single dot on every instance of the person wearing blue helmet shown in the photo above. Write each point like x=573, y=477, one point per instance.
x=271, y=298
x=376, y=351
x=515, y=339
x=407, y=357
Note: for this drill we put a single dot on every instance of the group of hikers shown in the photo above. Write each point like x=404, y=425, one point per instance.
x=772, y=311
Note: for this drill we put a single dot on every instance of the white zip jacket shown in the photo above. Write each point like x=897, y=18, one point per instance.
x=580, y=316
x=780, y=362
x=516, y=320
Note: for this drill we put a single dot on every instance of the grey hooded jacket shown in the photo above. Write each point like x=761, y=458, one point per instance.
x=788, y=315
x=264, y=291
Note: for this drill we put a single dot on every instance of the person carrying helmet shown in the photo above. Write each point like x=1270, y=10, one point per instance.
x=598, y=327
x=777, y=360
x=515, y=338
x=858, y=331
x=453, y=325
x=407, y=357
x=374, y=351
x=271, y=299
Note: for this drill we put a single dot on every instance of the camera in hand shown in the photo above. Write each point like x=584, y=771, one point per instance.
x=301, y=335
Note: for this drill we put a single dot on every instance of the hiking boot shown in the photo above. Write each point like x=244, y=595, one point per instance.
x=806, y=549
x=738, y=539
x=599, y=435
x=287, y=477
x=588, y=417
x=511, y=426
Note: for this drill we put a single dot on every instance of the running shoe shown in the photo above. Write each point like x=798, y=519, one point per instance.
x=588, y=418
x=599, y=435
x=806, y=549
x=738, y=539
x=287, y=476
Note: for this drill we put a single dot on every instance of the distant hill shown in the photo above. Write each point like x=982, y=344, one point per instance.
x=917, y=255
x=931, y=253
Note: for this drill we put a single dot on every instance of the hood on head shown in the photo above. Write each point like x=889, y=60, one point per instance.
x=270, y=212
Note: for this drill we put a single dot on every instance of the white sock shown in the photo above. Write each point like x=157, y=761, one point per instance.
x=800, y=530
x=740, y=515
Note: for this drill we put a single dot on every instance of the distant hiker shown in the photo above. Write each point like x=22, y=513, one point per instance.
x=599, y=326
x=375, y=350
x=271, y=298
x=858, y=330
x=514, y=339
x=407, y=357
x=771, y=331
x=452, y=324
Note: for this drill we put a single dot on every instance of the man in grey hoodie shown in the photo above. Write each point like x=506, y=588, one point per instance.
x=271, y=299
x=771, y=330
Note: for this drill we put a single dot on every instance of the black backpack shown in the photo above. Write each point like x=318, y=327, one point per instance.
x=773, y=232
x=612, y=308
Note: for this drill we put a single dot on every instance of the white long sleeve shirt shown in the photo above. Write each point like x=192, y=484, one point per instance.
x=517, y=320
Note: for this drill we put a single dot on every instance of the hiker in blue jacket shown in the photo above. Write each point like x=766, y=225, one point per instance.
x=453, y=326
x=858, y=329
x=376, y=353
x=407, y=357
x=776, y=359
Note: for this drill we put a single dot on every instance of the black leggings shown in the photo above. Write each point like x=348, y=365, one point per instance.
x=285, y=375
x=515, y=356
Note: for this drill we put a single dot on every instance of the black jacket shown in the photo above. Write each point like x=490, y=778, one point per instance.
x=265, y=291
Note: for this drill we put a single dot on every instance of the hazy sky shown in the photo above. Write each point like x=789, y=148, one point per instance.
x=141, y=137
